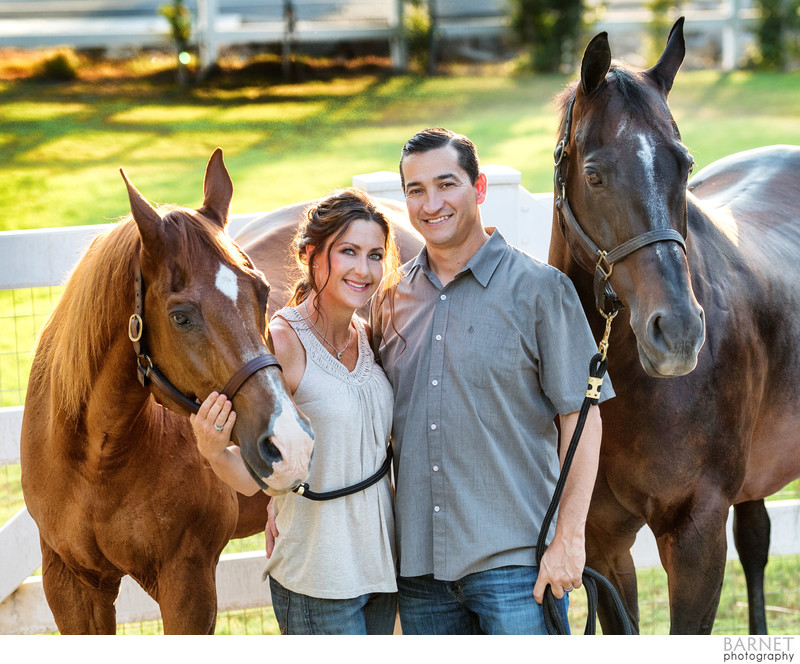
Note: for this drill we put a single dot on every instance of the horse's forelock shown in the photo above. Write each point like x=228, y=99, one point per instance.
x=195, y=234
x=631, y=86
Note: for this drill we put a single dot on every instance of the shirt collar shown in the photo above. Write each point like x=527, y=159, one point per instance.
x=482, y=264
x=487, y=258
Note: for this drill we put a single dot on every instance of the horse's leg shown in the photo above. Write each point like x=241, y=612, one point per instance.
x=77, y=607
x=187, y=595
x=751, y=530
x=610, y=534
x=692, y=549
x=611, y=557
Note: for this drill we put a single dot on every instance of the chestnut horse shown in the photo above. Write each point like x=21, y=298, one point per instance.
x=112, y=478
x=705, y=354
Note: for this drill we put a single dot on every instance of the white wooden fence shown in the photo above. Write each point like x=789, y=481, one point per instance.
x=44, y=257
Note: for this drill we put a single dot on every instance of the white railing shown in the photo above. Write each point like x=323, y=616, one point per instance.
x=44, y=258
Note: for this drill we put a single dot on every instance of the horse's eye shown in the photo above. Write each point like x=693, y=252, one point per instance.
x=594, y=179
x=691, y=165
x=180, y=319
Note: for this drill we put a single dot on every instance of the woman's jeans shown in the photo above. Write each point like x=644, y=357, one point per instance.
x=300, y=614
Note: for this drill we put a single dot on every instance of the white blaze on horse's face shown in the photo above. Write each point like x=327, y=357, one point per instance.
x=655, y=200
x=227, y=283
x=293, y=440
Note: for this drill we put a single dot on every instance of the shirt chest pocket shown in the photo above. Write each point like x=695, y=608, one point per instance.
x=490, y=351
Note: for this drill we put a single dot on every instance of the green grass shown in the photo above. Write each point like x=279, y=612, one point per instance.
x=782, y=598
x=23, y=312
x=61, y=145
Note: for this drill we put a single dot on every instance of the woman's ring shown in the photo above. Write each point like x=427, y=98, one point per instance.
x=569, y=590
x=218, y=427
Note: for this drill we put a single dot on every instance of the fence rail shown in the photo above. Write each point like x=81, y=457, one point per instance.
x=45, y=257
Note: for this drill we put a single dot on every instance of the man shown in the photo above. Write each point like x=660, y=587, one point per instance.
x=484, y=347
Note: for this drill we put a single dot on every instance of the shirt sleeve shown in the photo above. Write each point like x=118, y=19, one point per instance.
x=565, y=345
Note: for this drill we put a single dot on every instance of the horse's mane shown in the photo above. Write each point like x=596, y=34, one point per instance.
x=628, y=83
x=98, y=299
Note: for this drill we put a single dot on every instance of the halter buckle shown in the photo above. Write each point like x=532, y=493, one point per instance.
x=603, y=257
x=559, y=153
x=135, y=328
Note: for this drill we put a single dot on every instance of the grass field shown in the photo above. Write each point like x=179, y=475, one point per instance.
x=61, y=144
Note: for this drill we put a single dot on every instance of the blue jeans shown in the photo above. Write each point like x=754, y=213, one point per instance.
x=497, y=601
x=300, y=614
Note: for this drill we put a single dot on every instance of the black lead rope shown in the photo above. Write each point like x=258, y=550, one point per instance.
x=304, y=491
x=592, y=581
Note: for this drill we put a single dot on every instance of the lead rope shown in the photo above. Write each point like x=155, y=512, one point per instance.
x=592, y=580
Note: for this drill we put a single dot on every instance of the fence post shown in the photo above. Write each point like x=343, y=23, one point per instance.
x=398, y=47
x=731, y=36
x=207, y=33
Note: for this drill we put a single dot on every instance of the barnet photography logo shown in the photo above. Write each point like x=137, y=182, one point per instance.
x=759, y=649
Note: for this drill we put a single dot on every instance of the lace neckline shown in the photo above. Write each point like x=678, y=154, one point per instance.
x=320, y=354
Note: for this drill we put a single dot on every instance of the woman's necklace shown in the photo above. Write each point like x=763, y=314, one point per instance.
x=335, y=350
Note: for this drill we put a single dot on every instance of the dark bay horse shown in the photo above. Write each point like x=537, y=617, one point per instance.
x=705, y=353
x=113, y=479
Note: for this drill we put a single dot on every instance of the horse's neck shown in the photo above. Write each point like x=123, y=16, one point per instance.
x=118, y=406
x=561, y=257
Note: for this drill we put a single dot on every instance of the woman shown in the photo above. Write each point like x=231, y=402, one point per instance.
x=332, y=569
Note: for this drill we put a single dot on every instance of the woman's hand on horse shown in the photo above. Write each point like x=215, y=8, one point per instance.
x=213, y=424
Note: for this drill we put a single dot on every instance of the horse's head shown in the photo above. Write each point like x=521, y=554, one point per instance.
x=625, y=180
x=204, y=318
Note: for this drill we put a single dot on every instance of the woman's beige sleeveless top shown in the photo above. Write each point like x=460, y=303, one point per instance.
x=340, y=548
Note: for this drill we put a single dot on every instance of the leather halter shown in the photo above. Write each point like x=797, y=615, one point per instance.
x=606, y=300
x=147, y=370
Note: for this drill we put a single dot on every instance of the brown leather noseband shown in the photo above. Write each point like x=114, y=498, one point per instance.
x=147, y=370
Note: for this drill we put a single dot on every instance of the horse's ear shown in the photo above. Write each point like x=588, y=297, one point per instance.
x=596, y=62
x=217, y=190
x=664, y=71
x=146, y=218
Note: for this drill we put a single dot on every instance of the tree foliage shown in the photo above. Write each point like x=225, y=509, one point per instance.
x=549, y=30
x=777, y=32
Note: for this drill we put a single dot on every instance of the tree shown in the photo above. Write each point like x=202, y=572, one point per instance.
x=549, y=29
x=777, y=32
x=180, y=23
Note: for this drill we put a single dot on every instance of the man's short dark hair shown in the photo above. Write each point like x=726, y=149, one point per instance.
x=433, y=138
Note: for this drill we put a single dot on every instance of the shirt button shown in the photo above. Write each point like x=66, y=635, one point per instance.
x=436, y=469
x=433, y=427
x=443, y=297
x=438, y=337
x=436, y=509
x=434, y=383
